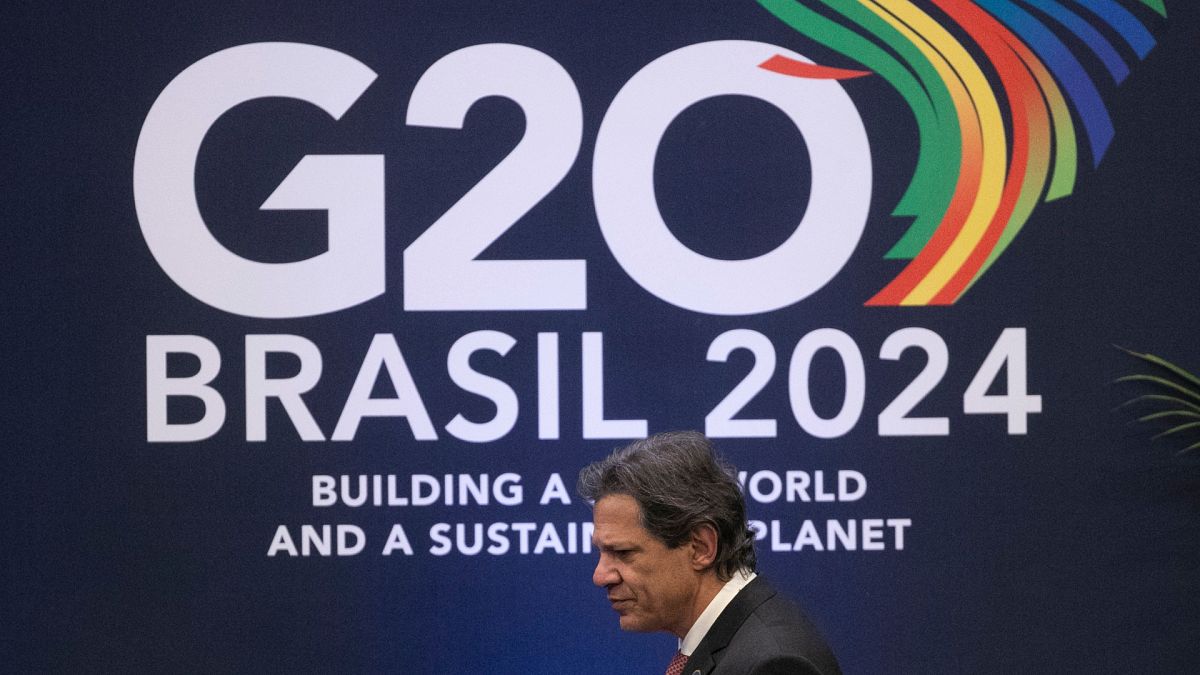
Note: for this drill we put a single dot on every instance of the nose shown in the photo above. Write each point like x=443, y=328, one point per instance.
x=604, y=574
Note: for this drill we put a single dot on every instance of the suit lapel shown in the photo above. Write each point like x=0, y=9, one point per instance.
x=705, y=658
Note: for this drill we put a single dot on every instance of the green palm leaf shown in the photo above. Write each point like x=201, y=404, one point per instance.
x=1158, y=361
x=1169, y=413
x=1159, y=397
x=1161, y=382
x=1182, y=403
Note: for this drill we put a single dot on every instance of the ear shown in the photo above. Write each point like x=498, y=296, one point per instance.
x=704, y=546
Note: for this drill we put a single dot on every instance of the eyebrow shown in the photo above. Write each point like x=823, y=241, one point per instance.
x=612, y=546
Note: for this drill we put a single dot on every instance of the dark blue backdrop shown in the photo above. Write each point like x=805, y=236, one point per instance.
x=1070, y=548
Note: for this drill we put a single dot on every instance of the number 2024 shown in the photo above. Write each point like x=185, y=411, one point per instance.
x=1009, y=352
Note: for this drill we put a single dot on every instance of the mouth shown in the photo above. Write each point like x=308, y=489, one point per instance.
x=620, y=604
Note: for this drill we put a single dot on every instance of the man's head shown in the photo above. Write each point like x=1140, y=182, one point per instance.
x=670, y=526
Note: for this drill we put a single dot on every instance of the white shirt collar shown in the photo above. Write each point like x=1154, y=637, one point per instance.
x=718, y=604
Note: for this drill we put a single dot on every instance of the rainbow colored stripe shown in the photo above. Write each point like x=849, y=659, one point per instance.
x=990, y=148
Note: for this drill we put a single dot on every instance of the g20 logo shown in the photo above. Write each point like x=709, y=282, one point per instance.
x=991, y=148
x=441, y=271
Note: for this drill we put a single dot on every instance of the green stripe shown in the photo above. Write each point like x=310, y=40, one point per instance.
x=1156, y=5
x=928, y=195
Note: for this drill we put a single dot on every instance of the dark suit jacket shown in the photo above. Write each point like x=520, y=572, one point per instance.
x=762, y=633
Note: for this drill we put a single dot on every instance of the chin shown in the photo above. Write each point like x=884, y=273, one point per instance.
x=635, y=624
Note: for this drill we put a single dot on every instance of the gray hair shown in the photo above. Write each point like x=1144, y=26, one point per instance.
x=679, y=483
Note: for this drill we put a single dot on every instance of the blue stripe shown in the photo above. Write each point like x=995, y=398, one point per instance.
x=1083, y=30
x=1067, y=70
x=1127, y=26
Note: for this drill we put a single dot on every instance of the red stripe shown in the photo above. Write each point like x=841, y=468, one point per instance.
x=785, y=66
x=969, y=178
x=1023, y=98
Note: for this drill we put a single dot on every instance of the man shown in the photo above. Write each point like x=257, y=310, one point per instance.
x=676, y=555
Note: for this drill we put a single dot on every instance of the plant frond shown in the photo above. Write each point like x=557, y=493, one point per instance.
x=1169, y=413
x=1163, y=382
x=1162, y=363
x=1188, y=449
x=1175, y=430
x=1160, y=397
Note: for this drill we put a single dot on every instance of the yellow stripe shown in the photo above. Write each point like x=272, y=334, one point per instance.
x=986, y=120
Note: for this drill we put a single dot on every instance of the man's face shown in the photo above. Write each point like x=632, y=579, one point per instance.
x=650, y=586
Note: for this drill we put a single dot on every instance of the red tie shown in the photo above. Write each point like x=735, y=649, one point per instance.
x=676, y=665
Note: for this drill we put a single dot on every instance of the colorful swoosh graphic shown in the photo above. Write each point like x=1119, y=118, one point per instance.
x=1001, y=101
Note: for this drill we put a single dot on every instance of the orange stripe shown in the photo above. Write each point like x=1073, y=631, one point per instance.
x=1018, y=85
x=970, y=175
x=965, y=192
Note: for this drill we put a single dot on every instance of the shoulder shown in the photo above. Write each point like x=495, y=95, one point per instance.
x=777, y=637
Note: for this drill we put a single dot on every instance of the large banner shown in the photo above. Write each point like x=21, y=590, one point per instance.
x=314, y=311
